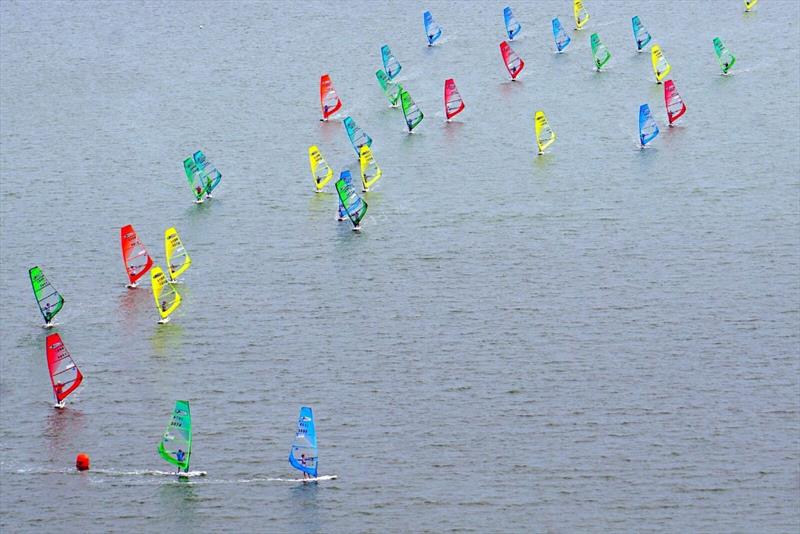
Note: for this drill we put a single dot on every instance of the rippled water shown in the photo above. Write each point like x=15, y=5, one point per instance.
x=600, y=339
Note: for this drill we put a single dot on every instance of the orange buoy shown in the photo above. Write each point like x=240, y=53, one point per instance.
x=82, y=461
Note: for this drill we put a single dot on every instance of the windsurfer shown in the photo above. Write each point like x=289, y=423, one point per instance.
x=163, y=305
x=303, y=463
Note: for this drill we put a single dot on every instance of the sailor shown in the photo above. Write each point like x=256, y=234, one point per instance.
x=47, y=312
x=164, y=305
x=303, y=463
x=199, y=190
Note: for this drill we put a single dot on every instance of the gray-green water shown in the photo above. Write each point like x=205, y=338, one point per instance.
x=600, y=339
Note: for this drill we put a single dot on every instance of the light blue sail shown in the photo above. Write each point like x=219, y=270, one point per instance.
x=303, y=455
x=357, y=136
x=348, y=179
x=512, y=26
x=648, y=129
x=391, y=66
x=560, y=35
x=640, y=33
x=432, y=29
x=209, y=173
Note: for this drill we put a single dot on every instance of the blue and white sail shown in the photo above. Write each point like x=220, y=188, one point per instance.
x=303, y=455
x=432, y=29
x=640, y=33
x=390, y=64
x=512, y=26
x=357, y=136
x=345, y=175
x=560, y=36
x=648, y=129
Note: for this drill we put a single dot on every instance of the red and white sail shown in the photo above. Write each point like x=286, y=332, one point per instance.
x=329, y=101
x=673, y=101
x=513, y=62
x=64, y=374
x=453, y=105
x=135, y=257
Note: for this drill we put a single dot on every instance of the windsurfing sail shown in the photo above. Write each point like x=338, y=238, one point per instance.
x=195, y=178
x=48, y=298
x=167, y=297
x=560, y=36
x=580, y=13
x=370, y=172
x=320, y=169
x=660, y=66
x=513, y=62
x=648, y=129
x=512, y=26
x=303, y=455
x=545, y=136
x=178, y=259
x=599, y=51
x=432, y=29
x=453, y=104
x=348, y=179
x=135, y=257
x=354, y=205
x=390, y=88
x=176, y=444
x=640, y=33
x=210, y=174
x=390, y=63
x=357, y=136
x=328, y=99
x=749, y=4
x=724, y=56
x=410, y=110
x=673, y=101
x=64, y=374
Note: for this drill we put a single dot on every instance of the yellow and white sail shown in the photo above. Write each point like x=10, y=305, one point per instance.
x=320, y=170
x=545, y=136
x=660, y=66
x=581, y=15
x=178, y=259
x=749, y=4
x=370, y=172
x=167, y=297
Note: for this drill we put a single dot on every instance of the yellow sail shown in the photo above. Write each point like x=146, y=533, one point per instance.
x=320, y=170
x=749, y=4
x=178, y=259
x=370, y=172
x=167, y=297
x=660, y=66
x=581, y=15
x=545, y=136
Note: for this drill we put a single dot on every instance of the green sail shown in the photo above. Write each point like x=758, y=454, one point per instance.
x=177, y=439
x=390, y=88
x=49, y=300
x=410, y=110
x=353, y=204
x=724, y=56
x=599, y=51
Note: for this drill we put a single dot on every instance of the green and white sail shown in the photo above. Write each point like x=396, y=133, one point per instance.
x=410, y=110
x=176, y=444
x=48, y=298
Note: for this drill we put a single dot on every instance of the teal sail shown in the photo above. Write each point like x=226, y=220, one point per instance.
x=354, y=205
x=560, y=36
x=211, y=174
x=390, y=63
x=389, y=88
x=599, y=52
x=410, y=110
x=304, y=454
x=640, y=34
x=724, y=56
x=357, y=136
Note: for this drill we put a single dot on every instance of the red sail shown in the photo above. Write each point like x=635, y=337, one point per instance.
x=135, y=257
x=64, y=374
x=673, y=101
x=513, y=62
x=453, y=105
x=328, y=99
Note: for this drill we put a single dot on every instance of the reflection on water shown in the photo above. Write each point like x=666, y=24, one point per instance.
x=179, y=504
x=305, y=508
x=167, y=339
x=60, y=429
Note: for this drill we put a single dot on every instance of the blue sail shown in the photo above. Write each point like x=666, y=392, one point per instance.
x=432, y=29
x=512, y=26
x=209, y=173
x=640, y=34
x=357, y=136
x=303, y=455
x=560, y=35
x=648, y=129
x=390, y=63
x=348, y=179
